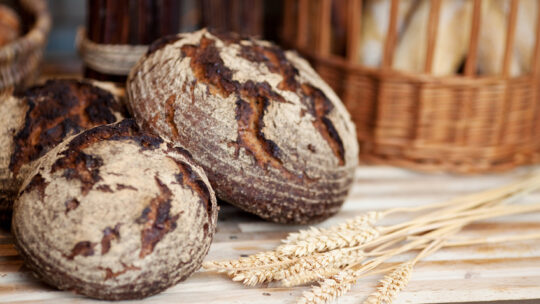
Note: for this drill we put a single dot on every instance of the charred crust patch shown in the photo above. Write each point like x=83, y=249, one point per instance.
x=39, y=183
x=156, y=219
x=188, y=177
x=84, y=248
x=275, y=60
x=125, y=187
x=79, y=165
x=161, y=42
x=109, y=234
x=71, y=204
x=127, y=129
x=57, y=109
x=227, y=37
x=85, y=167
x=319, y=106
x=208, y=67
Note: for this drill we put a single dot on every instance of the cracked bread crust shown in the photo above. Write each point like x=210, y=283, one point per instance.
x=39, y=118
x=273, y=138
x=114, y=213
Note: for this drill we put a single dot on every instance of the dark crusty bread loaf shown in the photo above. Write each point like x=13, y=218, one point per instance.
x=38, y=119
x=113, y=213
x=272, y=136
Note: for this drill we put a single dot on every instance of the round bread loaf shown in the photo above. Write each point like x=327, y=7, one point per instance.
x=10, y=25
x=272, y=136
x=114, y=214
x=38, y=119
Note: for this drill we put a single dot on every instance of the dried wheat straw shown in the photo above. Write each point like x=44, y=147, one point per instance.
x=338, y=256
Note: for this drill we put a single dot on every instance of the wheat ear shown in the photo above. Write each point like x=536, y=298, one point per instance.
x=317, y=266
x=330, y=240
x=301, y=267
x=330, y=288
x=310, y=276
x=354, y=224
x=391, y=285
x=266, y=259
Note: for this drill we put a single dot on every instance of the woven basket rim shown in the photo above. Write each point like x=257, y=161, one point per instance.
x=420, y=78
x=35, y=37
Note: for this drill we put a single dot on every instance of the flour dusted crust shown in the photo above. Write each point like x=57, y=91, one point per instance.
x=113, y=213
x=38, y=119
x=273, y=138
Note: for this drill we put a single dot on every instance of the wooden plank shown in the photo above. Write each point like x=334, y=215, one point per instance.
x=476, y=273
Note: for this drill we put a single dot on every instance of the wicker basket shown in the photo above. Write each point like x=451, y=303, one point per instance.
x=19, y=60
x=463, y=123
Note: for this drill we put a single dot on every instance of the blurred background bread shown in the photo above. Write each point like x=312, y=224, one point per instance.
x=452, y=41
x=375, y=18
x=493, y=37
x=10, y=25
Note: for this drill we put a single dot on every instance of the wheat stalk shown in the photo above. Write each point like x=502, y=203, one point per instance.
x=338, y=256
x=329, y=240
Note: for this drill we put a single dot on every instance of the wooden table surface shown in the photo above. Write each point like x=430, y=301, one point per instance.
x=476, y=273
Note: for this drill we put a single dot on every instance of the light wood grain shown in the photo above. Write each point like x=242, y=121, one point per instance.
x=508, y=271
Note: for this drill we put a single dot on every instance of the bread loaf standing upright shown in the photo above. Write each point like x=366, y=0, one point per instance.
x=493, y=30
x=38, y=119
x=374, y=29
x=452, y=42
x=272, y=136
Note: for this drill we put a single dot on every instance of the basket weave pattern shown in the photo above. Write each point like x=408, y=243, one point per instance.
x=19, y=60
x=463, y=123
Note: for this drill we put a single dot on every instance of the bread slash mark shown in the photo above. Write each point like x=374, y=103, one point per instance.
x=191, y=179
x=253, y=99
x=319, y=106
x=156, y=219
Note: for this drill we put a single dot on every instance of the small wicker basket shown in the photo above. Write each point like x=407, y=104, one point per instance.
x=463, y=123
x=20, y=59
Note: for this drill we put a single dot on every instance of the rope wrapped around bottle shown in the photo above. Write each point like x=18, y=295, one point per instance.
x=114, y=59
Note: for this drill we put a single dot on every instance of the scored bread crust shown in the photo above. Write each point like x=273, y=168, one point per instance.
x=39, y=118
x=113, y=213
x=272, y=136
